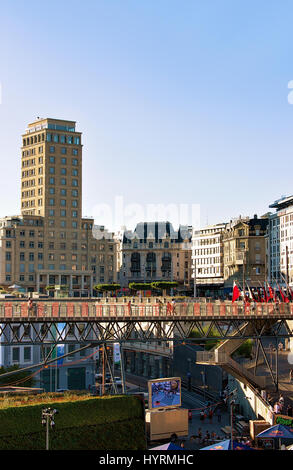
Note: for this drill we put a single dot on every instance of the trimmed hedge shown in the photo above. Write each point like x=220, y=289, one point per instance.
x=94, y=423
x=140, y=286
x=123, y=435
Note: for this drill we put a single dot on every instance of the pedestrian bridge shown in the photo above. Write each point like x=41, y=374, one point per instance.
x=82, y=310
x=92, y=320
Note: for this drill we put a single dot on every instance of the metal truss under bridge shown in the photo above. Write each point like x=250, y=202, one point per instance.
x=90, y=321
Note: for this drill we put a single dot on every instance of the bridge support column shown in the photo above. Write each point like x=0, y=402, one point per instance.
x=132, y=362
x=152, y=367
x=146, y=365
x=139, y=364
x=161, y=373
x=127, y=361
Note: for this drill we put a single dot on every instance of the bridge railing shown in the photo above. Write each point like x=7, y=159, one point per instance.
x=191, y=310
x=221, y=358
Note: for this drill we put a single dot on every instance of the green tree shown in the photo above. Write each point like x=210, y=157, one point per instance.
x=140, y=286
x=208, y=343
x=164, y=286
x=245, y=350
x=105, y=288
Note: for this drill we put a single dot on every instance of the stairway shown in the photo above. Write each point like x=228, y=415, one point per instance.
x=231, y=367
x=221, y=356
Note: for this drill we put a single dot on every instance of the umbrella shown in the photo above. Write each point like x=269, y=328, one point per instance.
x=168, y=446
x=14, y=286
x=277, y=432
x=226, y=445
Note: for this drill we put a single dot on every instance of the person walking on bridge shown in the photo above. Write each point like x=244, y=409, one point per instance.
x=173, y=305
x=169, y=308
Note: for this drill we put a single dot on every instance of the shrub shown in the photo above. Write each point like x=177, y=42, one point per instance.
x=245, y=349
x=89, y=423
x=140, y=285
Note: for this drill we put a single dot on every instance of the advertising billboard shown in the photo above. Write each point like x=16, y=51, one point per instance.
x=164, y=393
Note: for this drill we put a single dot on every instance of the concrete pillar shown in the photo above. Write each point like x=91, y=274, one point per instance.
x=70, y=282
x=152, y=371
x=128, y=362
x=135, y=354
x=91, y=285
x=146, y=365
x=132, y=362
x=82, y=282
x=38, y=282
x=161, y=373
x=140, y=363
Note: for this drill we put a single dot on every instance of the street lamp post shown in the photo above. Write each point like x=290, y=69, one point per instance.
x=204, y=383
x=231, y=408
x=47, y=420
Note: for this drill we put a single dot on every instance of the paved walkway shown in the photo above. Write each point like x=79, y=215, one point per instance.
x=215, y=425
x=285, y=387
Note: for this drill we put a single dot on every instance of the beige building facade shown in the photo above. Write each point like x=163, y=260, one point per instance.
x=244, y=249
x=155, y=251
x=50, y=243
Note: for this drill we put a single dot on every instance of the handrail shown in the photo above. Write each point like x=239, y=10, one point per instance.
x=222, y=358
x=187, y=310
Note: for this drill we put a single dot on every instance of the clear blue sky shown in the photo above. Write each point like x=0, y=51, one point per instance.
x=179, y=102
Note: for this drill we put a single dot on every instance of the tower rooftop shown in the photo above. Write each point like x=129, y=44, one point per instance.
x=51, y=123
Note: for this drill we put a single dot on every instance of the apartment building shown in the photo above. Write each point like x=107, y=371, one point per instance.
x=244, y=249
x=50, y=243
x=207, y=259
x=280, y=242
x=155, y=251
